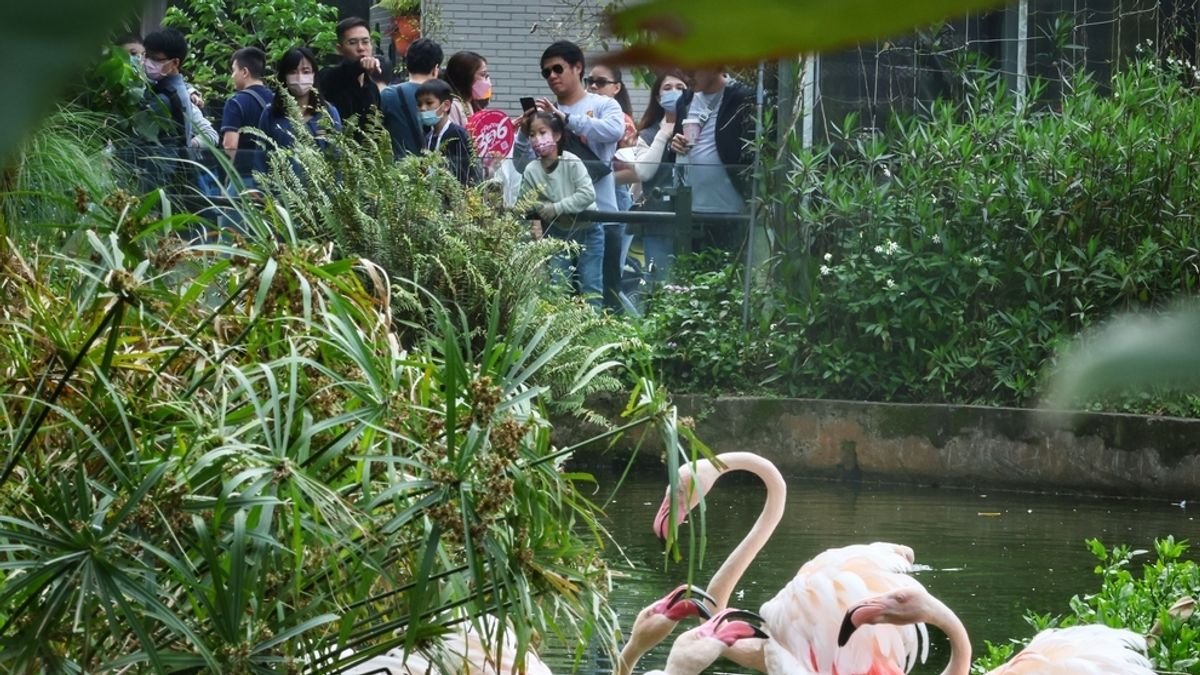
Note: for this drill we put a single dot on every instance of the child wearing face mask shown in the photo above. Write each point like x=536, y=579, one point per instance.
x=561, y=184
x=296, y=72
x=451, y=141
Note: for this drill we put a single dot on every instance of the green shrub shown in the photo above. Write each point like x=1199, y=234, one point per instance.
x=693, y=328
x=224, y=457
x=215, y=29
x=417, y=222
x=947, y=259
x=1148, y=603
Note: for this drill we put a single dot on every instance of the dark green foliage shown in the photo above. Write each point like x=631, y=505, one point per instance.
x=215, y=29
x=948, y=259
x=224, y=457
x=693, y=328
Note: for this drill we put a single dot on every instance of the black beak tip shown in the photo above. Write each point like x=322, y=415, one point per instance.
x=847, y=630
x=702, y=609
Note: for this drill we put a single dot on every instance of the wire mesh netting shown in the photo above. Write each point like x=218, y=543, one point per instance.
x=1046, y=40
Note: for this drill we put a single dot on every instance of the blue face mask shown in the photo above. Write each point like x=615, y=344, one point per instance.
x=430, y=118
x=669, y=98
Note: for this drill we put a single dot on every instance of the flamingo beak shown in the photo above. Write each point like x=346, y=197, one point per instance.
x=751, y=618
x=688, y=595
x=701, y=609
x=848, y=627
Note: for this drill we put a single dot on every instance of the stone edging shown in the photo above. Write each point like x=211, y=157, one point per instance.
x=951, y=445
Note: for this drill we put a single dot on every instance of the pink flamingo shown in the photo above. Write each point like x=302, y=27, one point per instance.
x=655, y=622
x=880, y=561
x=462, y=651
x=1079, y=650
x=696, y=649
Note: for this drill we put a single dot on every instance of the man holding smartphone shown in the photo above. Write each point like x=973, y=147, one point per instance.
x=598, y=122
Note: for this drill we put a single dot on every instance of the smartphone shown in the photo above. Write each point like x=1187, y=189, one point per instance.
x=527, y=103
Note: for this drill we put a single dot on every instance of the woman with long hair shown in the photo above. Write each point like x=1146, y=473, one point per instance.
x=467, y=73
x=644, y=162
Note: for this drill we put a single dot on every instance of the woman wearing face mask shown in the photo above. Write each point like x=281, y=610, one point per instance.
x=296, y=72
x=654, y=137
x=467, y=73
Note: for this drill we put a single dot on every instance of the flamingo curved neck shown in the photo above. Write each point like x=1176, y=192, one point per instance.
x=960, y=643
x=721, y=586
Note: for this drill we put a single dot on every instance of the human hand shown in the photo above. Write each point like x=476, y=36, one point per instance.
x=680, y=145
x=546, y=211
x=370, y=64
x=196, y=98
x=536, y=229
x=525, y=120
x=546, y=105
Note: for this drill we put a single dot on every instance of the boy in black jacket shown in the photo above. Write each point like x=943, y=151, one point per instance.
x=443, y=136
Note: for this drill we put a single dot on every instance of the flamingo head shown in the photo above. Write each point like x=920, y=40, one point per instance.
x=656, y=621
x=902, y=607
x=695, y=480
x=696, y=649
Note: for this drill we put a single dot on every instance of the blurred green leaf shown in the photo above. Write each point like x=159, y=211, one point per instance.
x=696, y=33
x=43, y=45
x=1131, y=353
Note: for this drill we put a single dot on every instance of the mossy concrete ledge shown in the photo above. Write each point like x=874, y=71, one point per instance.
x=950, y=445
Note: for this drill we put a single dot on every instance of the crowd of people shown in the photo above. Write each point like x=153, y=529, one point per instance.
x=577, y=147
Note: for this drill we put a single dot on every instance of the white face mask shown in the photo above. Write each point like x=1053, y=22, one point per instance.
x=300, y=83
x=153, y=69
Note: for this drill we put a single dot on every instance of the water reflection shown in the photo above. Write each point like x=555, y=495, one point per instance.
x=990, y=556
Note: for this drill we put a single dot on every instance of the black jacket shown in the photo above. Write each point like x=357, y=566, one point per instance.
x=459, y=152
x=735, y=130
x=339, y=86
x=399, y=106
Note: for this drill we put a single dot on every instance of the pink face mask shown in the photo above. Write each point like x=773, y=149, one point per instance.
x=481, y=90
x=544, y=145
x=300, y=83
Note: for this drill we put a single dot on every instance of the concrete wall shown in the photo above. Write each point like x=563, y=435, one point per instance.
x=965, y=446
x=511, y=36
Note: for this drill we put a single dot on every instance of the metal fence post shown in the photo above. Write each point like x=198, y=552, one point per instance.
x=681, y=201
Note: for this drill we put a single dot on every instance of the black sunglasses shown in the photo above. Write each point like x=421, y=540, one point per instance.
x=599, y=82
x=557, y=69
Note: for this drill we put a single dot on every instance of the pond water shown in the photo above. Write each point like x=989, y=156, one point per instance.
x=989, y=555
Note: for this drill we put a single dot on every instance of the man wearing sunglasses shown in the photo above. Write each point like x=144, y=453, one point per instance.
x=347, y=85
x=597, y=121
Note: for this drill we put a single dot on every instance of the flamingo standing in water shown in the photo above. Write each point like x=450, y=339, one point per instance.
x=1079, y=650
x=849, y=574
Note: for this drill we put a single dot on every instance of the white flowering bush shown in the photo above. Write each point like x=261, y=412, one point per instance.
x=946, y=259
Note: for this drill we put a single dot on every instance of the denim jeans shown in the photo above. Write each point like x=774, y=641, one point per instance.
x=589, y=263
